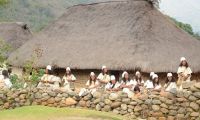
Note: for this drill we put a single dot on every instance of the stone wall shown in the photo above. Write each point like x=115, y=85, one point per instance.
x=184, y=105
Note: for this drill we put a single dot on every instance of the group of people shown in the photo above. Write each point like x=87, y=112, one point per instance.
x=109, y=83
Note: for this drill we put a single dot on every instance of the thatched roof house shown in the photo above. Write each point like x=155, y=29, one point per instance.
x=124, y=35
x=14, y=33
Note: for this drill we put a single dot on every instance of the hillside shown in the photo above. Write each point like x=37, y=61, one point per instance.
x=37, y=13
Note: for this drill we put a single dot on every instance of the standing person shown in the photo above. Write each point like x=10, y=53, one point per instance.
x=149, y=83
x=46, y=79
x=113, y=85
x=69, y=80
x=127, y=84
x=170, y=83
x=103, y=77
x=91, y=85
x=156, y=83
x=184, y=72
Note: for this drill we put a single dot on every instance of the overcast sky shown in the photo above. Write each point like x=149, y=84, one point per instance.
x=187, y=11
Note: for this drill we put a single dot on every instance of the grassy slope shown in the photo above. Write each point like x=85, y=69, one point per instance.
x=49, y=113
x=37, y=13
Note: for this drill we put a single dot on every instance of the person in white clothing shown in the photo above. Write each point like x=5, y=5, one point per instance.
x=156, y=83
x=103, y=77
x=149, y=83
x=170, y=83
x=138, y=79
x=184, y=73
x=91, y=85
x=127, y=85
x=5, y=82
x=68, y=81
x=113, y=85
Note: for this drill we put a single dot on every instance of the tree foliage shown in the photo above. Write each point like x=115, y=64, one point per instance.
x=3, y=2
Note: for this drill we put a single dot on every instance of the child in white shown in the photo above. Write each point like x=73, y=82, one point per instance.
x=170, y=83
x=149, y=83
x=92, y=85
x=156, y=83
x=113, y=85
x=68, y=80
x=127, y=85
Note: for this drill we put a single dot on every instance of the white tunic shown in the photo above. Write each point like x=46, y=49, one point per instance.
x=171, y=86
x=185, y=71
x=104, y=77
x=149, y=84
x=110, y=86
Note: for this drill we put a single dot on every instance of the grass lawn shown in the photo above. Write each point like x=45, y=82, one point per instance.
x=50, y=113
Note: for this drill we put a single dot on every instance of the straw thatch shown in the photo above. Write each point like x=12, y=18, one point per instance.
x=14, y=34
x=121, y=35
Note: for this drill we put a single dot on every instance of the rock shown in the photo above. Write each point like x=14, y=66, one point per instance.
x=162, y=99
x=194, y=106
x=152, y=118
x=164, y=110
x=169, y=102
x=161, y=118
x=156, y=102
x=72, y=94
x=115, y=104
x=70, y=101
x=64, y=95
x=172, y=112
x=130, y=110
x=96, y=101
x=106, y=108
x=123, y=112
x=170, y=118
x=181, y=110
x=97, y=95
x=126, y=100
x=113, y=96
x=88, y=97
x=194, y=114
x=186, y=94
x=107, y=101
x=194, y=89
x=198, y=102
x=82, y=103
x=57, y=99
x=187, y=85
x=38, y=95
x=173, y=107
x=116, y=111
x=102, y=104
x=155, y=107
x=137, y=108
x=124, y=107
x=181, y=99
x=133, y=103
x=52, y=94
x=180, y=116
x=192, y=98
x=157, y=114
x=163, y=105
x=98, y=107
x=51, y=100
x=6, y=105
x=148, y=101
x=197, y=94
x=22, y=96
x=197, y=85
x=185, y=104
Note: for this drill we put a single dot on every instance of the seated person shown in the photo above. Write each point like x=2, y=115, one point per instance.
x=138, y=79
x=127, y=84
x=68, y=80
x=156, y=83
x=170, y=83
x=91, y=85
x=5, y=80
x=103, y=77
x=149, y=83
x=113, y=85
x=46, y=79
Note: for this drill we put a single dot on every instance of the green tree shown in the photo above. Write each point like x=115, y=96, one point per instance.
x=3, y=2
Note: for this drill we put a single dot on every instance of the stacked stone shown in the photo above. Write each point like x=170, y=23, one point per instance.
x=155, y=106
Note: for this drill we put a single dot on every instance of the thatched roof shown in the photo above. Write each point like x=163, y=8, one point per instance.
x=121, y=35
x=14, y=33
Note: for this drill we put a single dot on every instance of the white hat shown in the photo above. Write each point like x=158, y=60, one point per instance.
x=155, y=76
x=48, y=67
x=182, y=59
x=169, y=74
x=137, y=73
x=92, y=74
x=123, y=74
x=68, y=69
x=103, y=67
x=151, y=74
x=112, y=77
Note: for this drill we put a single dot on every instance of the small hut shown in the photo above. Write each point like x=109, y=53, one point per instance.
x=123, y=35
x=14, y=34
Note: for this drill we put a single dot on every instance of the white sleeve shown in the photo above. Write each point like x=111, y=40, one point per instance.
x=87, y=83
x=8, y=83
x=107, y=86
x=189, y=71
x=73, y=77
x=179, y=70
x=100, y=76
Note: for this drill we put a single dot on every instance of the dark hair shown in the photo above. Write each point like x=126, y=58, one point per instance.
x=154, y=82
x=181, y=64
x=70, y=72
x=136, y=88
x=103, y=72
x=173, y=80
x=151, y=78
x=5, y=74
x=124, y=80
x=50, y=72
x=138, y=78
x=95, y=79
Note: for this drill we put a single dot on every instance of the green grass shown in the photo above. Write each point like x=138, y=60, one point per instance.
x=50, y=113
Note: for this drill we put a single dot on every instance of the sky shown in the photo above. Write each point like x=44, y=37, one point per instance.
x=187, y=11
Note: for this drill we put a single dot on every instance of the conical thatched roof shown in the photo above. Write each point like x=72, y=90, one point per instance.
x=15, y=34
x=121, y=35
